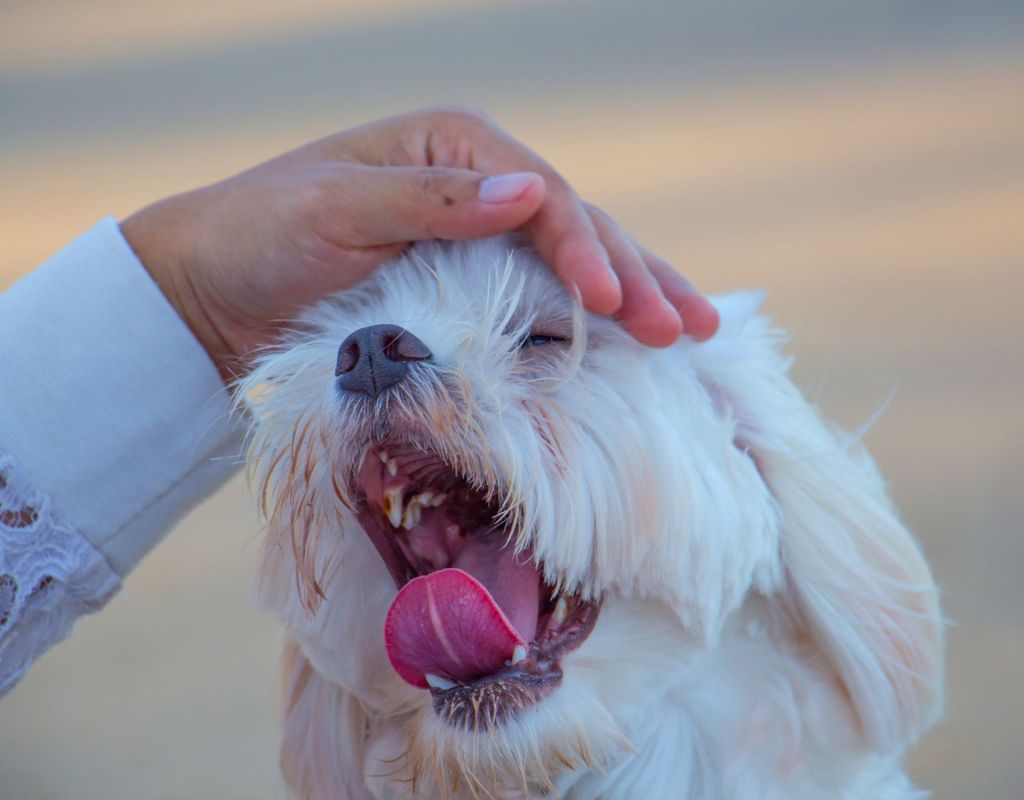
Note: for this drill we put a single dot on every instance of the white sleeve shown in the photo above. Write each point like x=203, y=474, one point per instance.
x=113, y=423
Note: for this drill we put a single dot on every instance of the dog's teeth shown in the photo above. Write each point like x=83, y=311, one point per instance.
x=411, y=515
x=383, y=456
x=431, y=500
x=439, y=683
x=561, y=611
x=392, y=467
x=392, y=502
x=518, y=654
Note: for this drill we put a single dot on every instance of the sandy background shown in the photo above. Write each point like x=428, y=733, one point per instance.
x=864, y=163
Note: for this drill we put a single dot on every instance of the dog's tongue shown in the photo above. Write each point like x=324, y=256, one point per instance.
x=447, y=624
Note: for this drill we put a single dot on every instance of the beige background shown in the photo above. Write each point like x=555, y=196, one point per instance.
x=864, y=164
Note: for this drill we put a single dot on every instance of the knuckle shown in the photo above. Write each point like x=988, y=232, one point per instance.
x=466, y=111
x=602, y=221
x=598, y=214
x=307, y=200
x=461, y=115
x=435, y=185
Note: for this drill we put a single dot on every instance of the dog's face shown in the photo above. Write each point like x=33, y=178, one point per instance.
x=501, y=527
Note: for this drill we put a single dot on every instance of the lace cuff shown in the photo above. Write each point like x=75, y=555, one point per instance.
x=49, y=576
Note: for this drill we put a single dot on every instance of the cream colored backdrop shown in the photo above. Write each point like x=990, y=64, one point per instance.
x=863, y=162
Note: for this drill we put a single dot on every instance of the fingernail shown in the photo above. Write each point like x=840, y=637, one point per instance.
x=505, y=188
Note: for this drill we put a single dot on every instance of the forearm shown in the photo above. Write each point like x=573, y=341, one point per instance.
x=113, y=423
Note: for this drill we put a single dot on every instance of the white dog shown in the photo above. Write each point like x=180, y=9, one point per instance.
x=520, y=555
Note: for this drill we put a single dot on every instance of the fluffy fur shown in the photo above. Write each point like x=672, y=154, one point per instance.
x=769, y=628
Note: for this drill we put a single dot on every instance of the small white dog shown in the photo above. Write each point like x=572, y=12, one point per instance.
x=520, y=555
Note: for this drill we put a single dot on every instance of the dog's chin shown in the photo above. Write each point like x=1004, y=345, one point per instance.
x=529, y=756
x=475, y=623
x=588, y=723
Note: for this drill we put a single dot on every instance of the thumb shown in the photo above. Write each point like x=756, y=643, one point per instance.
x=386, y=205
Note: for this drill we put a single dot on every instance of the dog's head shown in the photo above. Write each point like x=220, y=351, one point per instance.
x=504, y=529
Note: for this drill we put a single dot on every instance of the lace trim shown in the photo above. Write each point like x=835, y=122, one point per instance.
x=49, y=576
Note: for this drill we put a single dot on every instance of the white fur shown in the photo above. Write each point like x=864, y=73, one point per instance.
x=769, y=628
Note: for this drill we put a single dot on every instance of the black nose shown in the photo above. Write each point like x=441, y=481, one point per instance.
x=375, y=358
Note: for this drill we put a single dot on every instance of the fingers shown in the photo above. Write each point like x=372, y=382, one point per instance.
x=658, y=302
x=645, y=312
x=566, y=239
x=452, y=199
x=358, y=206
x=700, y=318
x=561, y=229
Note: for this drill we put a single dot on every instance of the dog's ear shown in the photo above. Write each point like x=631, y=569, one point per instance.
x=854, y=576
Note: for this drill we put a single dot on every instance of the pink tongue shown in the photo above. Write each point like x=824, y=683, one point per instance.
x=446, y=623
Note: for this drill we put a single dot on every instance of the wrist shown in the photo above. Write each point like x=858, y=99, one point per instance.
x=158, y=235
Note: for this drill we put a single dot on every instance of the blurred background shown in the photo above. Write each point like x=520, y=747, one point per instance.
x=864, y=162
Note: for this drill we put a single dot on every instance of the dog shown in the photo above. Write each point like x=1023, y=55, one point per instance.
x=520, y=555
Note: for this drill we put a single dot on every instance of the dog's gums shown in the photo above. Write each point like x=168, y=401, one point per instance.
x=474, y=620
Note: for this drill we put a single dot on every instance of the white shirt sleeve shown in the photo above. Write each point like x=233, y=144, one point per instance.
x=113, y=423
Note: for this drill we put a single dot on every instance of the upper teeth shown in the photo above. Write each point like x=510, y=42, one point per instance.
x=389, y=462
x=402, y=513
x=392, y=502
x=411, y=515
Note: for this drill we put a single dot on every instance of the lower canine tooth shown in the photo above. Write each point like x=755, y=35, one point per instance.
x=518, y=654
x=561, y=611
x=437, y=682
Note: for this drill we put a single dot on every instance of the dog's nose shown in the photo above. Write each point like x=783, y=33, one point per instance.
x=375, y=358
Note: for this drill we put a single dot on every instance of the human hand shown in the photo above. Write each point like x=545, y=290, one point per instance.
x=238, y=258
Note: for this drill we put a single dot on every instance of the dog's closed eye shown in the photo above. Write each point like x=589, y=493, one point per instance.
x=538, y=339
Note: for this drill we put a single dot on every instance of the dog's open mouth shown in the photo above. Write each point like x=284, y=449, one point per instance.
x=473, y=621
